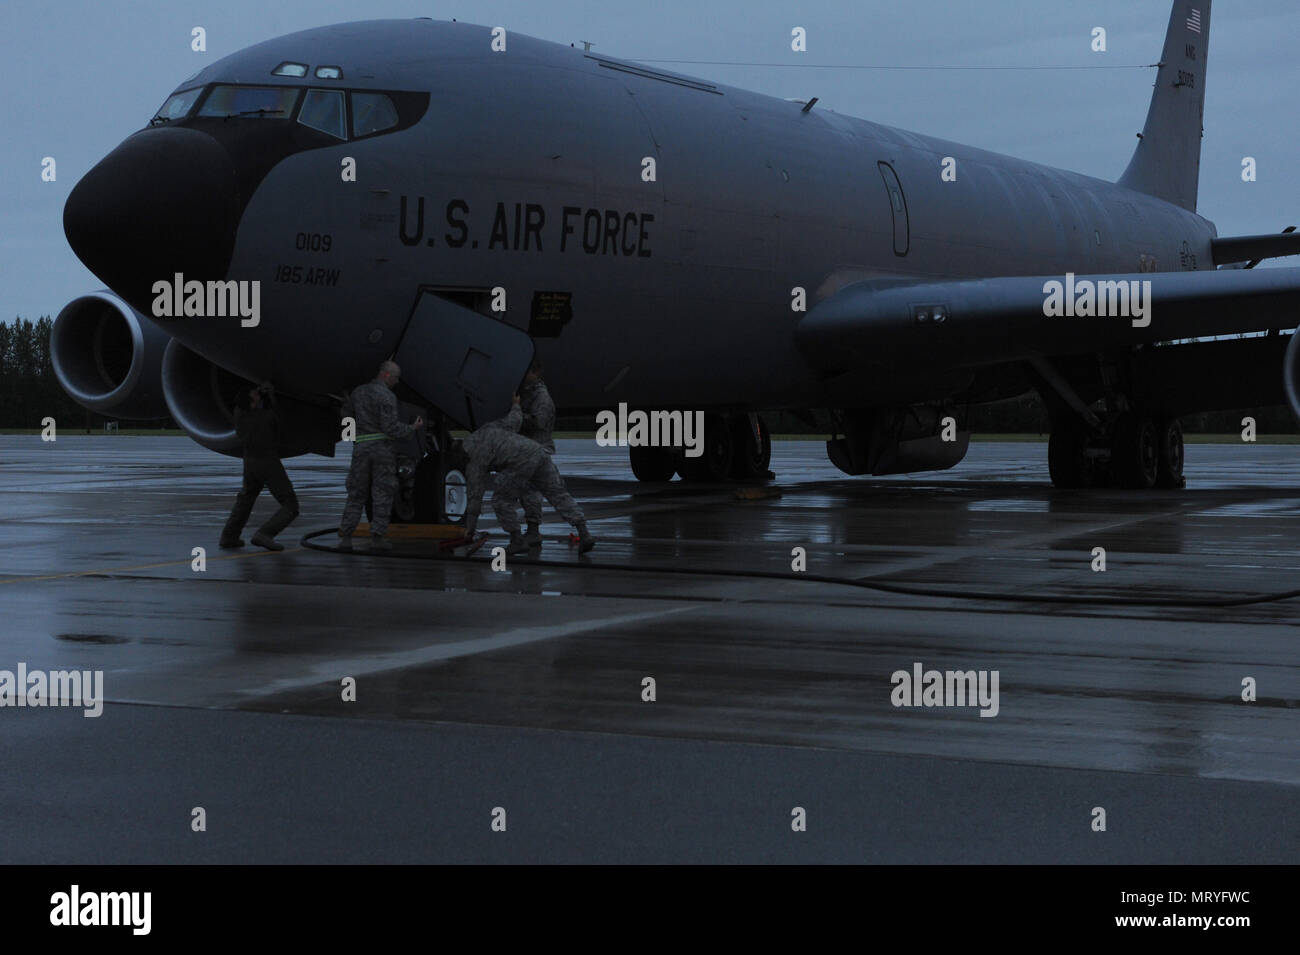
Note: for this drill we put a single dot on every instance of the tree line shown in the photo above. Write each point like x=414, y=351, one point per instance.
x=29, y=391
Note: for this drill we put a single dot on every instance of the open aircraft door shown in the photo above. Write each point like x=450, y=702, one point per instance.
x=468, y=365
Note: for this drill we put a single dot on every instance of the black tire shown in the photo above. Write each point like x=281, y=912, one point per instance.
x=750, y=462
x=1135, y=452
x=1170, y=474
x=714, y=464
x=1066, y=461
x=652, y=464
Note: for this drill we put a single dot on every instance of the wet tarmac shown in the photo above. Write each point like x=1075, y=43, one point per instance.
x=523, y=689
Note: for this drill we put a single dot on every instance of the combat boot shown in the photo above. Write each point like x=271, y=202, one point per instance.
x=585, y=541
x=345, y=543
x=516, y=546
x=270, y=543
x=380, y=544
x=231, y=544
x=534, y=536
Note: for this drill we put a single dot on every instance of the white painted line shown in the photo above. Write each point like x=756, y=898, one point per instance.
x=333, y=670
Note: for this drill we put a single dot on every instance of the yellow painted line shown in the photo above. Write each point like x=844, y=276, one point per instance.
x=125, y=570
x=756, y=493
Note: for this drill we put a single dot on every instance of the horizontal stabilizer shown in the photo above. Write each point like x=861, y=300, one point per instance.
x=1252, y=248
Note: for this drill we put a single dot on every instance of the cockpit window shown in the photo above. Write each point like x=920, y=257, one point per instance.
x=329, y=73
x=272, y=102
x=372, y=112
x=290, y=69
x=178, y=106
x=323, y=110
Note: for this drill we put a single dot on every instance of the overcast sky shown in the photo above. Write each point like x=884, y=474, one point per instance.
x=78, y=77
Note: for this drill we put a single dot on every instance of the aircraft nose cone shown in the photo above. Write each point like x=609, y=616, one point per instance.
x=165, y=201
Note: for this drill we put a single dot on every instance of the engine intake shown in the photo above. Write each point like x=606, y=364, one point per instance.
x=202, y=396
x=108, y=357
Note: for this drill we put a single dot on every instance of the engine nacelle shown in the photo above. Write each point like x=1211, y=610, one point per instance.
x=896, y=441
x=201, y=397
x=1291, y=374
x=108, y=357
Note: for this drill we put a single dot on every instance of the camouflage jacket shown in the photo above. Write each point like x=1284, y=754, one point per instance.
x=539, y=414
x=496, y=446
x=374, y=407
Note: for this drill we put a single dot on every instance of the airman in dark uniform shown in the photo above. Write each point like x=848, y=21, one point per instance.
x=258, y=427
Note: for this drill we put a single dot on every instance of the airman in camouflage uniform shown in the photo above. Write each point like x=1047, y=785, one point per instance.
x=539, y=421
x=519, y=463
x=373, y=474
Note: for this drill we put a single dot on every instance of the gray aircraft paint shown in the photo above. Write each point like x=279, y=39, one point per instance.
x=753, y=197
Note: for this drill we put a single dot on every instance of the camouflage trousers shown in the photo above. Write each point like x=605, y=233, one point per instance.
x=544, y=481
x=532, y=501
x=373, y=478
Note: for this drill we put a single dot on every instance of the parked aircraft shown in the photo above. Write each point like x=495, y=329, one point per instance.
x=458, y=196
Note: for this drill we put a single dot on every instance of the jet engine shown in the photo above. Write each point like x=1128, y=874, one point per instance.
x=108, y=357
x=1291, y=374
x=201, y=397
x=896, y=441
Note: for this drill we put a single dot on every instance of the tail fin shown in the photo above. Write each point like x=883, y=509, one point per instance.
x=1167, y=162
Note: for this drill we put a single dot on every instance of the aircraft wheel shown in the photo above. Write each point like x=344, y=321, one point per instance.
x=714, y=464
x=653, y=464
x=1170, y=472
x=749, y=461
x=1135, y=452
x=1067, y=460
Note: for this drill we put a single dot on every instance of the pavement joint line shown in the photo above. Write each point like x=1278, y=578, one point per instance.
x=110, y=571
x=1018, y=542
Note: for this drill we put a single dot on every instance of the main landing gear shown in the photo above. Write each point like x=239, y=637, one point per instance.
x=734, y=447
x=1129, y=450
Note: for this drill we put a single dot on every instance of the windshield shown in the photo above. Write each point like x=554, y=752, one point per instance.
x=275, y=102
x=177, y=106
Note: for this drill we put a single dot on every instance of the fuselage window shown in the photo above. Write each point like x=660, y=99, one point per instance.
x=258, y=102
x=323, y=110
x=178, y=105
x=372, y=112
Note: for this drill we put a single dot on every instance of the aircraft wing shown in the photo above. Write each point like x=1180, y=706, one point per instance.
x=956, y=323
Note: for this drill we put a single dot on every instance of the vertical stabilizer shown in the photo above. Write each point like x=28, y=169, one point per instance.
x=1167, y=163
